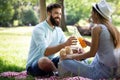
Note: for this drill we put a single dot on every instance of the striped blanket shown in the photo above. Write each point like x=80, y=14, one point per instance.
x=23, y=75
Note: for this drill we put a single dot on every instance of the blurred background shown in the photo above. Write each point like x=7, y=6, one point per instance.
x=18, y=18
x=27, y=12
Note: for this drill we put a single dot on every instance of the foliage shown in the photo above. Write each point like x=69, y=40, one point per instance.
x=18, y=10
x=6, y=12
x=50, y=1
x=29, y=17
x=116, y=20
x=11, y=10
x=81, y=9
x=22, y=9
x=75, y=11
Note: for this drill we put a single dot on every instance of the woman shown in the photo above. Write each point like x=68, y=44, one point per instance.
x=105, y=39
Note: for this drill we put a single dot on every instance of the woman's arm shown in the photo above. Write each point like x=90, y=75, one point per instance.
x=87, y=42
x=93, y=49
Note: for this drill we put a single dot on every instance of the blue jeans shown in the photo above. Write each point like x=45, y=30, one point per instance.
x=34, y=70
x=95, y=70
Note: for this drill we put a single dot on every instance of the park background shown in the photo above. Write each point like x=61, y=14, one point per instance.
x=18, y=18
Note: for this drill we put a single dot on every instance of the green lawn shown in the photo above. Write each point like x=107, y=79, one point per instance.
x=14, y=47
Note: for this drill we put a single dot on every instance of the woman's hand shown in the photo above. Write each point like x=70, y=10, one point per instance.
x=87, y=42
x=81, y=51
x=71, y=56
x=77, y=50
x=68, y=56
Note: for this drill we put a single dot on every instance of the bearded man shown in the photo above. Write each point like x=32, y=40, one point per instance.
x=47, y=39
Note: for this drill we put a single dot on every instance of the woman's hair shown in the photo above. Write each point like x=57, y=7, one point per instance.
x=112, y=29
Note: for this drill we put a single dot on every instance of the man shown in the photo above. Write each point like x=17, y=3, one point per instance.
x=47, y=39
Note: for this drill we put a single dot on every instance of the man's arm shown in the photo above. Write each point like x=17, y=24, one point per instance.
x=53, y=49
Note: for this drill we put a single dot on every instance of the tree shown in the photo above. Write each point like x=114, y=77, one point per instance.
x=63, y=22
x=6, y=12
x=42, y=10
x=29, y=17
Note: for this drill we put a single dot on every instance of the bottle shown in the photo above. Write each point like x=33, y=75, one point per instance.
x=75, y=48
x=82, y=42
x=80, y=38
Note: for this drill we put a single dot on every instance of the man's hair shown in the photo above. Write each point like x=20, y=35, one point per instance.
x=53, y=5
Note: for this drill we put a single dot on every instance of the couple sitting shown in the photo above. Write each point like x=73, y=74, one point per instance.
x=47, y=39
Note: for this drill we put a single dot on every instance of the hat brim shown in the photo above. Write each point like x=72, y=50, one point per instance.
x=94, y=5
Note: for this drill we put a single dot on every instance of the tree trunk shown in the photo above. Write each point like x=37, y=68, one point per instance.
x=43, y=14
x=63, y=23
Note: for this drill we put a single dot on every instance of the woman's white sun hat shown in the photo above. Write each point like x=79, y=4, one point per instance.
x=104, y=9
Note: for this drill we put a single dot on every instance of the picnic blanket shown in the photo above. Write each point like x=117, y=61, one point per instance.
x=23, y=75
x=17, y=75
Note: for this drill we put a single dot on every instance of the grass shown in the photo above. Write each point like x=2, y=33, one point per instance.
x=14, y=47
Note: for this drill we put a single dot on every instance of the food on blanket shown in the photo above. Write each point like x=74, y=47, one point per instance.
x=75, y=49
x=68, y=50
x=82, y=42
x=62, y=52
x=65, y=51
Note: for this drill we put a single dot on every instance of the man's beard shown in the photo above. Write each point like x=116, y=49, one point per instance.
x=54, y=22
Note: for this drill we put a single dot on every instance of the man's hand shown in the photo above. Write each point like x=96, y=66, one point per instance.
x=71, y=41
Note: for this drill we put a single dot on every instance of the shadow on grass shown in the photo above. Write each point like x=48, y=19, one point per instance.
x=7, y=67
x=2, y=78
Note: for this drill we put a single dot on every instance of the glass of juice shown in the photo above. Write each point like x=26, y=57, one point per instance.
x=82, y=42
